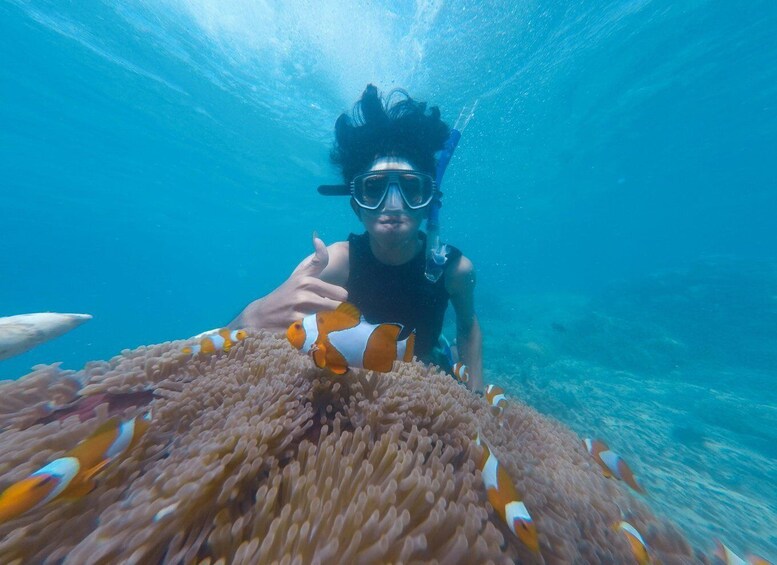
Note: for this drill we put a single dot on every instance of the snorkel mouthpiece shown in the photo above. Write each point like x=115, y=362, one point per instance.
x=436, y=251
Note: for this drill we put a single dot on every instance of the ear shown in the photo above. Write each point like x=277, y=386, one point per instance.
x=356, y=209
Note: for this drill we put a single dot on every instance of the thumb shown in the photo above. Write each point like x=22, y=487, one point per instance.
x=317, y=262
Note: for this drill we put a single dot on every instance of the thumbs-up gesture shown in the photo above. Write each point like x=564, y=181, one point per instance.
x=303, y=293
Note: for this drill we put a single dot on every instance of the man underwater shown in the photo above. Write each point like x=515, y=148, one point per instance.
x=386, y=154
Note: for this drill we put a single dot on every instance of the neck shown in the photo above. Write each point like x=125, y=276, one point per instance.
x=396, y=252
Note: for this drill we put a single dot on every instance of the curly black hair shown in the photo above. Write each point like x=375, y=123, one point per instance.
x=378, y=128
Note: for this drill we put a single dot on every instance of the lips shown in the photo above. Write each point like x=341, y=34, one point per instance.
x=391, y=221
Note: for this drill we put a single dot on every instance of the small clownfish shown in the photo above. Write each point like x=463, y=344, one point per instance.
x=638, y=546
x=461, y=372
x=728, y=557
x=495, y=396
x=502, y=495
x=72, y=475
x=612, y=464
x=220, y=340
x=342, y=338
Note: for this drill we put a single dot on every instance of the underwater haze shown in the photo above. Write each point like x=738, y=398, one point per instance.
x=615, y=187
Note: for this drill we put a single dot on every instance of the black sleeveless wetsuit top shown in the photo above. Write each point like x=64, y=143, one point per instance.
x=399, y=293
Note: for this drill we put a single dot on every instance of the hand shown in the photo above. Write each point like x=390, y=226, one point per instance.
x=303, y=293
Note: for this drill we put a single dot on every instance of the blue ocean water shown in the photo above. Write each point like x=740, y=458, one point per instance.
x=615, y=189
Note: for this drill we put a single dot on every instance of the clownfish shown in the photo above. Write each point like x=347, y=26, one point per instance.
x=612, y=464
x=219, y=340
x=638, y=546
x=342, y=338
x=72, y=475
x=728, y=557
x=495, y=396
x=304, y=334
x=502, y=495
x=461, y=372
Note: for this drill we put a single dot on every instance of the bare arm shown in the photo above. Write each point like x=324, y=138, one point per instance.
x=460, y=283
x=316, y=284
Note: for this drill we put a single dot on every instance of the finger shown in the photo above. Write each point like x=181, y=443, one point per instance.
x=314, y=264
x=316, y=303
x=327, y=290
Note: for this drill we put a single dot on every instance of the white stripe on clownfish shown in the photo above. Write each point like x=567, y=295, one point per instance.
x=516, y=510
x=354, y=343
x=612, y=460
x=166, y=511
x=489, y=467
x=124, y=437
x=62, y=470
x=311, y=332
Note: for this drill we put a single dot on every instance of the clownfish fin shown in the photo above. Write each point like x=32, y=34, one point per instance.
x=409, y=348
x=79, y=489
x=386, y=333
x=319, y=355
x=90, y=474
x=350, y=311
x=627, y=475
x=338, y=370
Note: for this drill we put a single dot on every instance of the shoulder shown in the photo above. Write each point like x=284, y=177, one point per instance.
x=338, y=251
x=460, y=276
x=336, y=271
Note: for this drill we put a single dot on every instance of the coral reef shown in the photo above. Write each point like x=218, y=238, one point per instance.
x=257, y=456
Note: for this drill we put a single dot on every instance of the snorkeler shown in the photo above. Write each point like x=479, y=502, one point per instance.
x=386, y=154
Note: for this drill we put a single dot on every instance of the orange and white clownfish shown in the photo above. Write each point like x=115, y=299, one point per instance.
x=219, y=340
x=639, y=549
x=612, y=464
x=728, y=557
x=304, y=333
x=495, y=396
x=504, y=498
x=342, y=338
x=72, y=475
x=461, y=372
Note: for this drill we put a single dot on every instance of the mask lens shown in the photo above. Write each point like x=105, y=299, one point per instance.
x=371, y=188
x=415, y=189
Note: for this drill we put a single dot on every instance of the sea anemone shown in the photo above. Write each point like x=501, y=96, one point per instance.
x=256, y=456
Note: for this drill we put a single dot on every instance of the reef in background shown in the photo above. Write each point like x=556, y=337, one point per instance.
x=676, y=372
x=256, y=456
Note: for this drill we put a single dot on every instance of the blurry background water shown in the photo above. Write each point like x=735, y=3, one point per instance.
x=616, y=190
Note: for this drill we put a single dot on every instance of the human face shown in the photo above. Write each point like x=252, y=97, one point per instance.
x=393, y=223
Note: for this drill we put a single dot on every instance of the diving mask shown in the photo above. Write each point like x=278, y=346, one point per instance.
x=369, y=190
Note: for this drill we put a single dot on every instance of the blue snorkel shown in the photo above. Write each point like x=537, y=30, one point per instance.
x=436, y=251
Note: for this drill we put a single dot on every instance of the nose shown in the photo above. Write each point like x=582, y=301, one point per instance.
x=394, y=201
